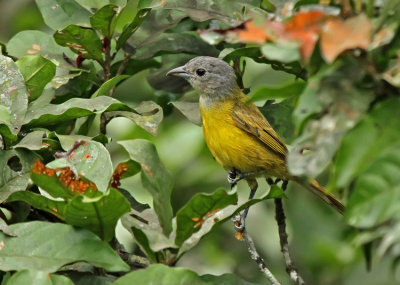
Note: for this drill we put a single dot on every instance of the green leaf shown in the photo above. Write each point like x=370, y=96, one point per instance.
x=163, y=275
x=285, y=91
x=148, y=116
x=175, y=43
x=57, y=14
x=228, y=11
x=255, y=54
x=104, y=20
x=155, y=178
x=378, y=134
x=334, y=92
x=190, y=110
x=32, y=141
x=225, y=214
x=99, y=216
x=376, y=194
x=369, y=154
x=24, y=277
x=147, y=232
x=106, y=87
x=50, y=114
x=284, y=52
x=60, y=244
x=90, y=160
x=6, y=229
x=94, y=5
x=134, y=66
x=39, y=43
x=15, y=166
x=130, y=29
x=82, y=41
x=191, y=216
x=14, y=99
x=37, y=72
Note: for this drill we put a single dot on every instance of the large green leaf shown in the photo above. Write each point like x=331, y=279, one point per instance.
x=14, y=99
x=191, y=216
x=15, y=166
x=32, y=141
x=376, y=195
x=35, y=277
x=37, y=72
x=50, y=114
x=47, y=246
x=148, y=116
x=334, y=98
x=90, y=160
x=40, y=43
x=155, y=178
x=285, y=53
x=99, y=215
x=83, y=41
x=369, y=153
x=371, y=138
x=226, y=213
x=57, y=14
x=104, y=20
x=163, y=275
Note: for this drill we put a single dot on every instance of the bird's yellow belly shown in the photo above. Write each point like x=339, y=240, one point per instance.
x=234, y=148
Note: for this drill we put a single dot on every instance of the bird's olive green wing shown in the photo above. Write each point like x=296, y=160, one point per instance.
x=250, y=119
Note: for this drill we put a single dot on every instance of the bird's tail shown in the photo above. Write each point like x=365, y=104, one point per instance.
x=320, y=191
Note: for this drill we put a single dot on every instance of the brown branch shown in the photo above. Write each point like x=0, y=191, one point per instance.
x=253, y=251
x=283, y=238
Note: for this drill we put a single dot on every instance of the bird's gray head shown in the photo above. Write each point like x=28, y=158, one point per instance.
x=210, y=76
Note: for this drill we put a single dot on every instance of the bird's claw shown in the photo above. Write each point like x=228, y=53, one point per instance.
x=232, y=177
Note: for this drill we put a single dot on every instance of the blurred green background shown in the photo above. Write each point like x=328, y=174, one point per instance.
x=322, y=246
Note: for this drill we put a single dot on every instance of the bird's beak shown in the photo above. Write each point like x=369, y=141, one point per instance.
x=179, y=71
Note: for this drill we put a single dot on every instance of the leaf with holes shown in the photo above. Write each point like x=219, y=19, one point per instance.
x=15, y=166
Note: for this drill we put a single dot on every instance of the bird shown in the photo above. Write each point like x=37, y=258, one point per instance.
x=236, y=132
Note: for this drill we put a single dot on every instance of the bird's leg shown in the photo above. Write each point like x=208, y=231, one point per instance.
x=234, y=176
x=253, y=188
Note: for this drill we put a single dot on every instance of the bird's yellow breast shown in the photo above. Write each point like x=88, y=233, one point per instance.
x=231, y=146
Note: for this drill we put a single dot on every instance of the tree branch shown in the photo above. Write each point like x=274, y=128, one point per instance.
x=280, y=219
x=253, y=251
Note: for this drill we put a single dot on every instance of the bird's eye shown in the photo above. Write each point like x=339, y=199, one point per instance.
x=200, y=72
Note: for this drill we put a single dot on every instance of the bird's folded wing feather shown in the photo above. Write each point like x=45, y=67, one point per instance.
x=250, y=119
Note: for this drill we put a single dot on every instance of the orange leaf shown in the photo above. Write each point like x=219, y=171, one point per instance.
x=253, y=34
x=338, y=36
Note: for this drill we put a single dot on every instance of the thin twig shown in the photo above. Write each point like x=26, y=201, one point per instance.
x=280, y=219
x=253, y=252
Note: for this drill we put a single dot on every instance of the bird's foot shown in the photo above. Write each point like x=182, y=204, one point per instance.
x=234, y=176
